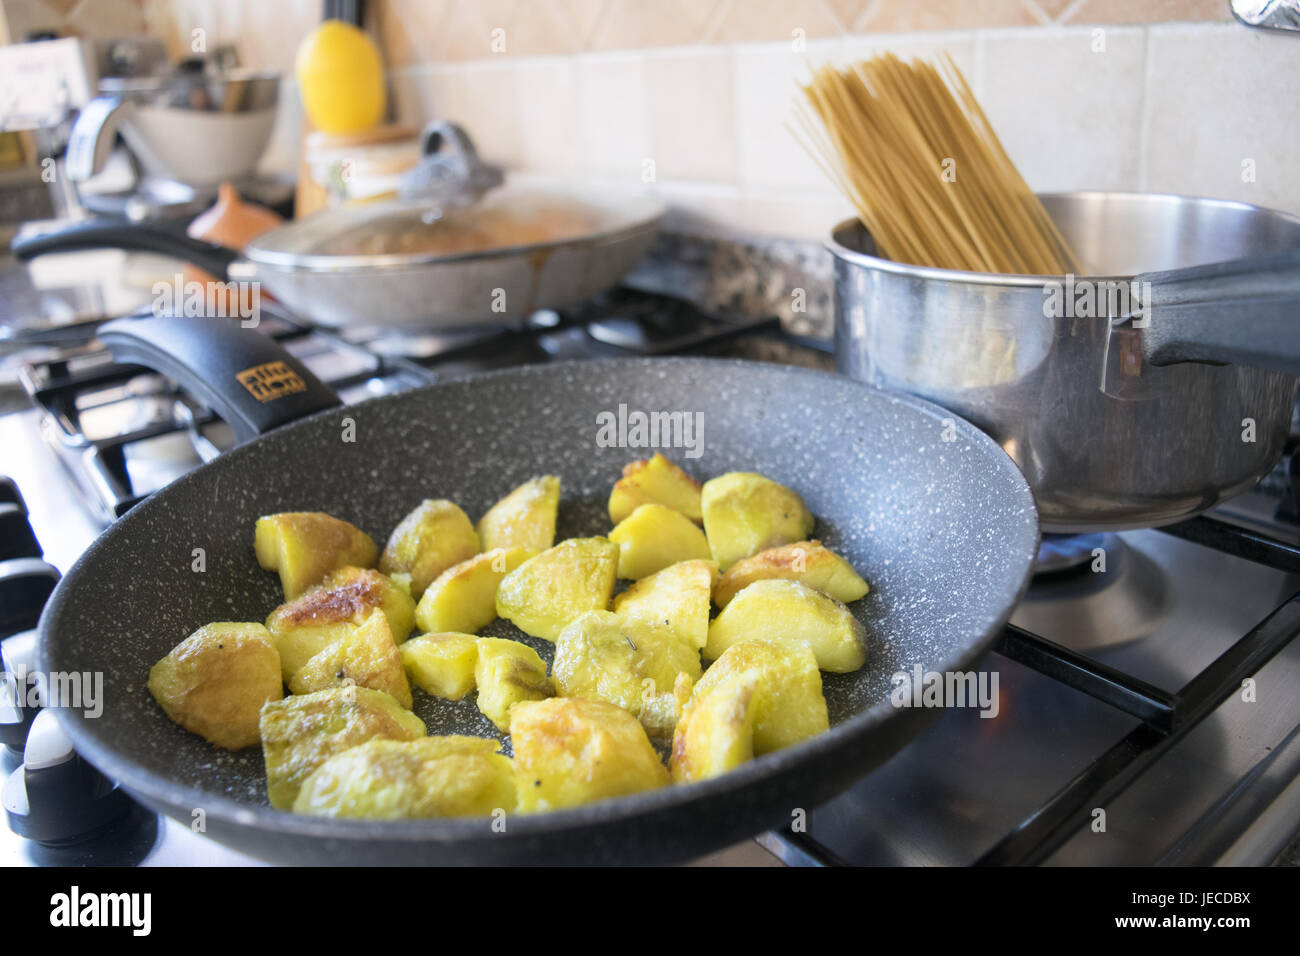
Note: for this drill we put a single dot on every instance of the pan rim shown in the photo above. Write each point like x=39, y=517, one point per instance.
x=166, y=794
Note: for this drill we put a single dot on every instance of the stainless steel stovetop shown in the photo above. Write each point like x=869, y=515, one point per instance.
x=1120, y=689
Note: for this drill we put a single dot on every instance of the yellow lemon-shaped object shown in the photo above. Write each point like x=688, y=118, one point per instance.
x=341, y=77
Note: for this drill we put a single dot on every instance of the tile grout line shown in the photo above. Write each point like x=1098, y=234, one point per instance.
x=1036, y=11
x=1144, y=126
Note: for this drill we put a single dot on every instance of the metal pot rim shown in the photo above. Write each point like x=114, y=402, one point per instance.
x=837, y=246
x=158, y=83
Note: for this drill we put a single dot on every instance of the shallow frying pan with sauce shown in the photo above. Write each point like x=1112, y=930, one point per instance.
x=929, y=509
x=527, y=246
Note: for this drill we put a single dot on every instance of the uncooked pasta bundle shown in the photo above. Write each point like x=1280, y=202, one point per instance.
x=908, y=144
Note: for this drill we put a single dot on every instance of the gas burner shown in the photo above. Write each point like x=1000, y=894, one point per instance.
x=1065, y=600
x=1065, y=552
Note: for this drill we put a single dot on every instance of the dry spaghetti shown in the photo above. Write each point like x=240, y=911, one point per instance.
x=908, y=144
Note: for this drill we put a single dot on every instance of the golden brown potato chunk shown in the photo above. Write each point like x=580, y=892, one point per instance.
x=463, y=598
x=808, y=562
x=304, y=627
x=600, y=656
x=745, y=513
x=215, y=682
x=655, y=480
x=525, y=518
x=715, y=732
x=412, y=779
x=570, y=751
x=787, y=612
x=428, y=541
x=676, y=598
x=756, y=698
x=653, y=537
x=304, y=546
x=507, y=672
x=301, y=732
x=366, y=656
x=549, y=590
x=441, y=664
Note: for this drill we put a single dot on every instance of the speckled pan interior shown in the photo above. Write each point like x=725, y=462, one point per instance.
x=944, y=530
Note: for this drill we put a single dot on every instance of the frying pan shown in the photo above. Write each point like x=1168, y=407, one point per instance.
x=932, y=512
x=405, y=290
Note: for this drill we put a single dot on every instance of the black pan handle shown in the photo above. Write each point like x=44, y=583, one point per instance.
x=242, y=375
x=105, y=233
x=1246, y=312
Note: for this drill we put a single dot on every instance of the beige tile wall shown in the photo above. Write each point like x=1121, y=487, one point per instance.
x=1162, y=95
x=1172, y=107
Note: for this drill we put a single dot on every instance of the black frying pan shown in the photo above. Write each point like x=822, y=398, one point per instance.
x=928, y=508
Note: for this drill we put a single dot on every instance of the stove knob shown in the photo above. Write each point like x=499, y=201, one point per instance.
x=18, y=693
x=56, y=797
x=10, y=495
x=17, y=540
x=25, y=585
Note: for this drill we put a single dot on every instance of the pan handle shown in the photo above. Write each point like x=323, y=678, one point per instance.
x=104, y=233
x=1244, y=312
x=244, y=376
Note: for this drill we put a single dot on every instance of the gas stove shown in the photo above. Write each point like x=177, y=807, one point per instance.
x=1147, y=712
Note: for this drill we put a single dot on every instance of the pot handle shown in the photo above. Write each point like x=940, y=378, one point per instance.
x=104, y=233
x=92, y=136
x=244, y=376
x=1244, y=312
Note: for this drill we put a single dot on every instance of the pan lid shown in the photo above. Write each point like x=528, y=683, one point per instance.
x=518, y=217
x=451, y=206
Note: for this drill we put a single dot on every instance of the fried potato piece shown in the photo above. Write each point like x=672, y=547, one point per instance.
x=600, y=656
x=789, y=706
x=525, y=518
x=808, y=562
x=676, y=598
x=715, y=732
x=655, y=480
x=428, y=541
x=653, y=537
x=413, y=779
x=301, y=732
x=549, y=590
x=570, y=751
x=463, y=598
x=787, y=612
x=215, y=682
x=303, y=628
x=756, y=698
x=506, y=673
x=441, y=664
x=745, y=513
x=304, y=546
x=366, y=656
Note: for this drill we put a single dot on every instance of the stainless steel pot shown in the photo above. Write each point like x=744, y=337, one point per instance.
x=1116, y=422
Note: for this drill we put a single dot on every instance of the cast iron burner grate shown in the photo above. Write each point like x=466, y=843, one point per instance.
x=1165, y=717
x=123, y=431
x=76, y=388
